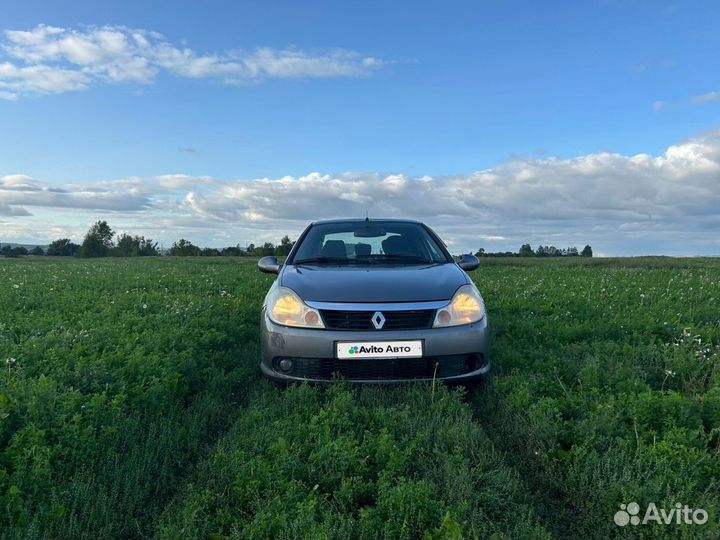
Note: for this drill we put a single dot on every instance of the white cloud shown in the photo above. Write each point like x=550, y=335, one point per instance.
x=38, y=79
x=48, y=60
x=20, y=191
x=615, y=202
x=20, y=182
x=659, y=106
x=706, y=98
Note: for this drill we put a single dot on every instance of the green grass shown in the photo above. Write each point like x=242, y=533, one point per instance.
x=134, y=407
x=609, y=388
x=371, y=463
x=124, y=372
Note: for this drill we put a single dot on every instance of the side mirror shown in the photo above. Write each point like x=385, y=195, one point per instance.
x=269, y=265
x=468, y=262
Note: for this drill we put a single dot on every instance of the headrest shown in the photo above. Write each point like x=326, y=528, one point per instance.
x=362, y=249
x=334, y=248
x=396, y=245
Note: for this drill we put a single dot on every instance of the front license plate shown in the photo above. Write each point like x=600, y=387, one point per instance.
x=351, y=350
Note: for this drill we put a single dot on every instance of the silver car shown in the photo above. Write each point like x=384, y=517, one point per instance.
x=373, y=301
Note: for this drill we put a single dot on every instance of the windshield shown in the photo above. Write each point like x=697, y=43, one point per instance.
x=369, y=242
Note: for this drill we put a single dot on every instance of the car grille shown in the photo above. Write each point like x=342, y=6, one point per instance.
x=382, y=368
x=416, y=319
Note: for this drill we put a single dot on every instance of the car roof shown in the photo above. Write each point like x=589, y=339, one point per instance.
x=358, y=220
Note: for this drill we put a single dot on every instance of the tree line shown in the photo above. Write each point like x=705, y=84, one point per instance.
x=18, y=251
x=526, y=250
x=102, y=241
x=185, y=248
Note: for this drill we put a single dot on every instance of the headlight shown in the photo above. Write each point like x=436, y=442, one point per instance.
x=286, y=308
x=466, y=307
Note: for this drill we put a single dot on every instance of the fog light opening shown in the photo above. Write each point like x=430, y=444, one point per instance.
x=473, y=362
x=286, y=365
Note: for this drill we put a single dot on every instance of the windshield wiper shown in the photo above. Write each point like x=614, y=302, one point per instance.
x=321, y=260
x=405, y=258
x=372, y=259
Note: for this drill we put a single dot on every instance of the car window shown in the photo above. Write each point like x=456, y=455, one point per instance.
x=358, y=242
x=358, y=246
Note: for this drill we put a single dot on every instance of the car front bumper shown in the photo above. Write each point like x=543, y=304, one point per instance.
x=454, y=354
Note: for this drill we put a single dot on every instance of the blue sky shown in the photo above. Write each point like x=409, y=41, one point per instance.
x=221, y=95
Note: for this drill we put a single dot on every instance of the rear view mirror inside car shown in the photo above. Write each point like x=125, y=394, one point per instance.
x=369, y=232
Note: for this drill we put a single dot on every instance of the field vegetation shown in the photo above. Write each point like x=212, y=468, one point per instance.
x=131, y=405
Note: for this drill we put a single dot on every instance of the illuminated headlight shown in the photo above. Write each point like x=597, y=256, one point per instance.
x=466, y=307
x=286, y=308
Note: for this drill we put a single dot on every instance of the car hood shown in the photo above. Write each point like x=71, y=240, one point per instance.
x=373, y=284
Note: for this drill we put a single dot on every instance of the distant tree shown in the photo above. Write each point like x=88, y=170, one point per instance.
x=62, y=247
x=37, y=250
x=11, y=252
x=146, y=247
x=526, y=251
x=267, y=249
x=126, y=246
x=251, y=249
x=285, y=246
x=184, y=248
x=548, y=251
x=232, y=251
x=586, y=252
x=210, y=252
x=135, y=246
x=98, y=240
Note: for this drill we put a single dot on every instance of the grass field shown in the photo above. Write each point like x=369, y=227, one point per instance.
x=131, y=405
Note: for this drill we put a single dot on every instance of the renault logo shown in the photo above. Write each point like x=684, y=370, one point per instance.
x=378, y=320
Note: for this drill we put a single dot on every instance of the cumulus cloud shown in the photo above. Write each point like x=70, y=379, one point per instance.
x=19, y=182
x=603, y=186
x=38, y=79
x=48, y=60
x=615, y=202
x=20, y=191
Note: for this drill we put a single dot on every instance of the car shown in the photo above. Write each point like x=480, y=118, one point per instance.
x=373, y=301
